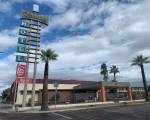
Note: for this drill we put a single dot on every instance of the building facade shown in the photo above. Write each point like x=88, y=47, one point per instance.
x=76, y=91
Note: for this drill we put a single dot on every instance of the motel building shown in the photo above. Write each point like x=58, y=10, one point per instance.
x=79, y=91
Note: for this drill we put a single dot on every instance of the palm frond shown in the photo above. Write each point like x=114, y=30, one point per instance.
x=140, y=60
x=47, y=55
x=114, y=69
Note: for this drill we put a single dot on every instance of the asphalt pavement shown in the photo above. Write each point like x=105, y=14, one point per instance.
x=126, y=112
x=5, y=107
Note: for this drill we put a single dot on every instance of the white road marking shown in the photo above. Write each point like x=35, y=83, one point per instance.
x=66, y=117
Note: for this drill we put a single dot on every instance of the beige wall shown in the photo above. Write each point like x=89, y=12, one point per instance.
x=37, y=88
x=64, y=96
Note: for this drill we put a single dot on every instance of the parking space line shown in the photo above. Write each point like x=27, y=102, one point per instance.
x=66, y=117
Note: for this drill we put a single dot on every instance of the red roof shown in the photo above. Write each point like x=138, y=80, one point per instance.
x=51, y=81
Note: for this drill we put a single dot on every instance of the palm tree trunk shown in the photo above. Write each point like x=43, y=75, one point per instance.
x=144, y=83
x=45, y=89
x=107, y=76
x=114, y=76
x=104, y=78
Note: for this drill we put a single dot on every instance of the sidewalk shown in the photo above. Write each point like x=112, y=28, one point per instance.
x=65, y=107
x=6, y=108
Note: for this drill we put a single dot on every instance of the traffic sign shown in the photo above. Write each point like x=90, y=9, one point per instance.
x=56, y=85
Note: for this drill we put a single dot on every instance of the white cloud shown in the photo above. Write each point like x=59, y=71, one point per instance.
x=5, y=6
x=8, y=38
x=57, y=5
x=124, y=35
x=7, y=73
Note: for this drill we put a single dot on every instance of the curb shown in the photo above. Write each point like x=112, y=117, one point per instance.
x=122, y=104
x=82, y=107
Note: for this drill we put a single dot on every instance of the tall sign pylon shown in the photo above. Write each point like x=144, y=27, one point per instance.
x=28, y=48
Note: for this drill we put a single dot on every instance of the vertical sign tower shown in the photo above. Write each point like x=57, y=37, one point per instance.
x=28, y=49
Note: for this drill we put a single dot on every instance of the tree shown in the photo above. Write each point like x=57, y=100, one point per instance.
x=114, y=70
x=104, y=72
x=46, y=56
x=149, y=88
x=140, y=60
x=5, y=93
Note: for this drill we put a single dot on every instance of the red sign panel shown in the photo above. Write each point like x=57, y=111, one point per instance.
x=21, y=69
x=21, y=80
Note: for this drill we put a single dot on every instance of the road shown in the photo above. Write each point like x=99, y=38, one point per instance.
x=134, y=112
x=5, y=107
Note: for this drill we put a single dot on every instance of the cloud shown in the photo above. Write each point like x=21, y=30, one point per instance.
x=8, y=38
x=125, y=34
x=69, y=19
x=6, y=6
x=57, y=5
x=7, y=71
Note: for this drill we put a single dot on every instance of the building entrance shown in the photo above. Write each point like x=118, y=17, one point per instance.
x=116, y=94
x=85, y=96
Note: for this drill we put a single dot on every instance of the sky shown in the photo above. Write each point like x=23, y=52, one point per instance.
x=84, y=34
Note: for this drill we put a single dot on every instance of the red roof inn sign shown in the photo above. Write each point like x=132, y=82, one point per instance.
x=21, y=69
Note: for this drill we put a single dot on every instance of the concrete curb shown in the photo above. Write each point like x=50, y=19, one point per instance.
x=64, y=106
x=81, y=107
x=78, y=107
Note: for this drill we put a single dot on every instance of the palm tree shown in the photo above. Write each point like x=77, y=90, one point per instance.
x=104, y=71
x=46, y=56
x=114, y=70
x=140, y=61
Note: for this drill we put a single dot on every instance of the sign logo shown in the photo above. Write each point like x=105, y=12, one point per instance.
x=21, y=69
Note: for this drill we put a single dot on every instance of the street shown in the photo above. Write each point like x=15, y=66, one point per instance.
x=5, y=107
x=133, y=112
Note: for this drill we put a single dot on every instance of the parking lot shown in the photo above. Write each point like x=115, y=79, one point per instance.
x=127, y=112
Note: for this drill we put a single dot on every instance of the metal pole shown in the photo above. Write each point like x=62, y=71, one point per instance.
x=35, y=70
x=27, y=70
x=15, y=93
x=33, y=85
x=55, y=96
x=25, y=87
